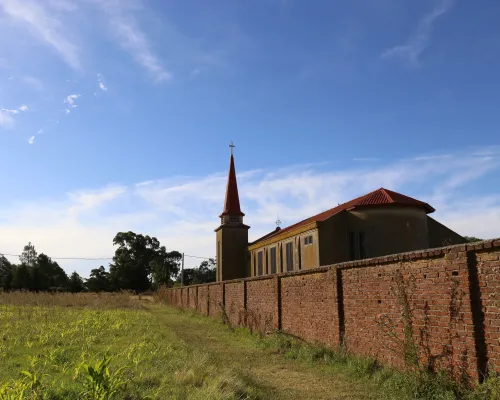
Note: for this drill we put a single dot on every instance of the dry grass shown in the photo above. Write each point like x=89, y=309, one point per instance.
x=87, y=300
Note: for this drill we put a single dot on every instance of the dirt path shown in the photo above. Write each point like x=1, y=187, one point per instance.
x=281, y=378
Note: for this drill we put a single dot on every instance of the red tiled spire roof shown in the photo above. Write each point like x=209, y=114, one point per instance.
x=378, y=198
x=232, y=203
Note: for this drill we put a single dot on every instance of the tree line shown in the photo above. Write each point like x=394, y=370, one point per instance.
x=140, y=264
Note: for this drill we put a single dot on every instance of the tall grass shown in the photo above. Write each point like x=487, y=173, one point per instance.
x=91, y=300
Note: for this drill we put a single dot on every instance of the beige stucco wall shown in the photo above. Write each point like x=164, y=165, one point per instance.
x=333, y=245
x=304, y=256
x=386, y=230
x=390, y=230
x=309, y=254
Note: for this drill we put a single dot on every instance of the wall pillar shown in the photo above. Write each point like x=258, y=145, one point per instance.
x=277, y=283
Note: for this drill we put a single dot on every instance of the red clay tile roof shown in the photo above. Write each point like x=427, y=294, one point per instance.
x=232, y=203
x=378, y=198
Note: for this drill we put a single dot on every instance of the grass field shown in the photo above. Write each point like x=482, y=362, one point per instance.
x=115, y=346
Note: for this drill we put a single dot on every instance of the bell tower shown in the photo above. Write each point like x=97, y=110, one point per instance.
x=232, y=234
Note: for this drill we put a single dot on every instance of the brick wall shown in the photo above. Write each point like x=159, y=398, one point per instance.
x=309, y=307
x=488, y=267
x=443, y=303
x=202, y=305
x=235, y=302
x=428, y=297
x=262, y=304
x=192, y=293
x=215, y=299
x=184, y=297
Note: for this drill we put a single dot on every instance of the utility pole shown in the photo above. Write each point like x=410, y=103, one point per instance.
x=182, y=271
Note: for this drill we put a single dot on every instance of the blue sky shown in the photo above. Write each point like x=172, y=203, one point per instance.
x=116, y=115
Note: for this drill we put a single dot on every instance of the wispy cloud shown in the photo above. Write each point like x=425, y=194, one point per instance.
x=33, y=82
x=45, y=26
x=6, y=115
x=6, y=120
x=31, y=140
x=366, y=159
x=9, y=111
x=101, y=84
x=420, y=38
x=132, y=38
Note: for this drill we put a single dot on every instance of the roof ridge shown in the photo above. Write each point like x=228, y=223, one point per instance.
x=385, y=191
x=378, y=197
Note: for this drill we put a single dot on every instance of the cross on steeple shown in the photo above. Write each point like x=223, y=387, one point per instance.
x=231, y=147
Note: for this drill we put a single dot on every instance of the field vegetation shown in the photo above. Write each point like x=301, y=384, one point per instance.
x=87, y=346
x=124, y=346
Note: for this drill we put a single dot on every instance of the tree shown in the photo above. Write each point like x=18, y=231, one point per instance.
x=28, y=256
x=205, y=273
x=167, y=264
x=21, y=279
x=139, y=259
x=472, y=239
x=98, y=280
x=75, y=283
x=51, y=276
x=6, y=273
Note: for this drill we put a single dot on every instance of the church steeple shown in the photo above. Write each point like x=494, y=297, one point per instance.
x=232, y=234
x=232, y=211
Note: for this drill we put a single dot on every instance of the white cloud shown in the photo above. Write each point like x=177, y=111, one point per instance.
x=102, y=86
x=420, y=38
x=125, y=28
x=31, y=140
x=70, y=101
x=44, y=25
x=6, y=116
x=182, y=211
x=9, y=111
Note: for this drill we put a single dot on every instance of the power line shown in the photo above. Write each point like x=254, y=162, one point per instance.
x=205, y=258
x=94, y=258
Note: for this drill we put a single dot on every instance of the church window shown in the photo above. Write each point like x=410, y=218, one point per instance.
x=273, y=260
x=260, y=263
x=357, y=245
x=289, y=256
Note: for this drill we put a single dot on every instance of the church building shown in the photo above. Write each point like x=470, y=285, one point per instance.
x=379, y=223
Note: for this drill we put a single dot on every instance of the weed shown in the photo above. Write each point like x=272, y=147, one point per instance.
x=100, y=383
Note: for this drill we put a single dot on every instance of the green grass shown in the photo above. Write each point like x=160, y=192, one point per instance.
x=62, y=352
x=348, y=376
x=115, y=347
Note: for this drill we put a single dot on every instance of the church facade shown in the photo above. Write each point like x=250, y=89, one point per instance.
x=379, y=223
